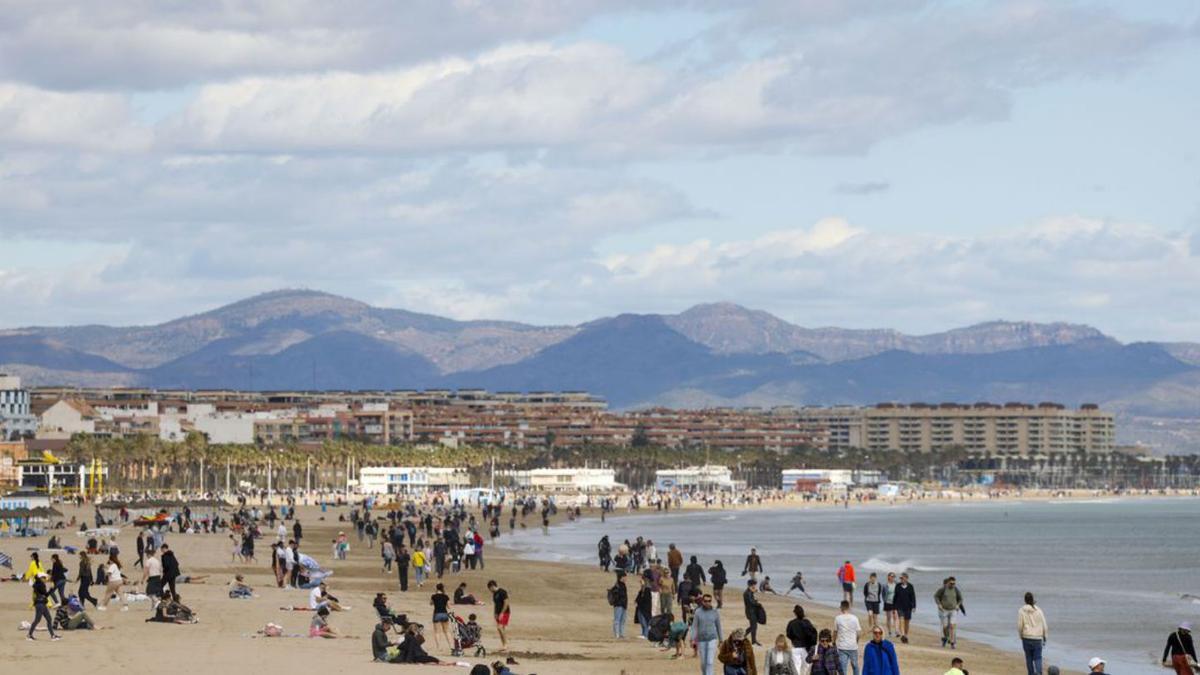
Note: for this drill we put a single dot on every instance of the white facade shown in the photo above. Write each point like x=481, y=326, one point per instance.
x=66, y=418
x=226, y=428
x=382, y=480
x=15, y=419
x=709, y=477
x=23, y=499
x=792, y=478
x=566, y=480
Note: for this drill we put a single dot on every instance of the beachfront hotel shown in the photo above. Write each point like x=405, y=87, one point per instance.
x=1012, y=428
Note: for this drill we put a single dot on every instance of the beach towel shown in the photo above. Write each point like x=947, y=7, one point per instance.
x=5, y=560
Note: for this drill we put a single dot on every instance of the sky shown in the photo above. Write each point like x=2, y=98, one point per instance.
x=861, y=163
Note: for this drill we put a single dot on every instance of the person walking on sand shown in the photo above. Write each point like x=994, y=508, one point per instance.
x=718, y=577
x=889, y=606
x=753, y=566
x=737, y=655
x=618, y=599
x=803, y=636
x=674, y=562
x=402, y=559
x=879, y=656
x=643, y=608
x=753, y=609
x=695, y=573
x=949, y=601
x=779, y=660
x=503, y=612
x=825, y=660
x=706, y=633
x=441, y=615
x=872, y=598
x=84, y=577
x=906, y=604
x=604, y=549
x=112, y=585
x=1033, y=631
x=845, y=576
x=1180, y=652
x=41, y=600
x=846, y=633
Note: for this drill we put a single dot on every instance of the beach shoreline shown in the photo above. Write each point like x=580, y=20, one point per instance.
x=561, y=624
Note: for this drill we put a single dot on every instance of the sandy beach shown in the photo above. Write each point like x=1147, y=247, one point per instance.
x=561, y=622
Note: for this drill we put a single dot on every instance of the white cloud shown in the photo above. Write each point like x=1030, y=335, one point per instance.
x=31, y=117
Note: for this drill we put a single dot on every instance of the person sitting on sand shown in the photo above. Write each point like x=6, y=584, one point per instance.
x=765, y=586
x=239, y=589
x=383, y=649
x=77, y=618
x=461, y=597
x=320, y=628
x=319, y=598
x=171, y=610
x=411, y=650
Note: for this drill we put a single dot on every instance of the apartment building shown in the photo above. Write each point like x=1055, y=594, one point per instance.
x=16, y=419
x=1011, y=428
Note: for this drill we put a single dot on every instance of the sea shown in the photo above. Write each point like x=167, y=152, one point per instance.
x=1114, y=576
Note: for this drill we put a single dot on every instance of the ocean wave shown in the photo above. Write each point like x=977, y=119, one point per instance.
x=899, y=567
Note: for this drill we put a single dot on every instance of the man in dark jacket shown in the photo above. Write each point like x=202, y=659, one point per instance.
x=753, y=566
x=618, y=597
x=297, y=531
x=752, y=610
x=803, y=636
x=905, y=601
x=170, y=567
x=695, y=573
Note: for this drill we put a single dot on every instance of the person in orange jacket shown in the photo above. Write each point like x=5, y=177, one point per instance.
x=845, y=574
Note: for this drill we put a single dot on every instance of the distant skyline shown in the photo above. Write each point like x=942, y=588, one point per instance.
x=858, y=163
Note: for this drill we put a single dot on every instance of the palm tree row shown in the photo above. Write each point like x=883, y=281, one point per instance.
x=147, y=462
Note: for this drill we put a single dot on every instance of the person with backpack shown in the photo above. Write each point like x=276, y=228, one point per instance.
x=618, y=599
x=803, y=636
x=949, y=601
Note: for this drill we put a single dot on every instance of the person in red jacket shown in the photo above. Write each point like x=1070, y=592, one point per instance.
x=845, y=574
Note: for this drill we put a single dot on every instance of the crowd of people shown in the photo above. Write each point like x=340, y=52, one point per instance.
x=678, y=609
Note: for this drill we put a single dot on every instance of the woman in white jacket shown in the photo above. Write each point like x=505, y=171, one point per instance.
x=1031, y=626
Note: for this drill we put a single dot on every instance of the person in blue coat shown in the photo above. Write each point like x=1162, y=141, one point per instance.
x=879, y=656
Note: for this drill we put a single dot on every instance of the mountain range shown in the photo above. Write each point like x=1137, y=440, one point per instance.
x=711, y=354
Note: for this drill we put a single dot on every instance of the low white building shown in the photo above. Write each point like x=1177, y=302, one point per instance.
x=565, y=480
x=25, y=499
x=384, y=480
x=708, y=477
x=808, y=480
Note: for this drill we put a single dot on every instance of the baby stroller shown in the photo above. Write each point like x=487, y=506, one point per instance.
x=467, y=637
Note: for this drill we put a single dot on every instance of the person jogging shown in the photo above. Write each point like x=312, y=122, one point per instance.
x=949, y=601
